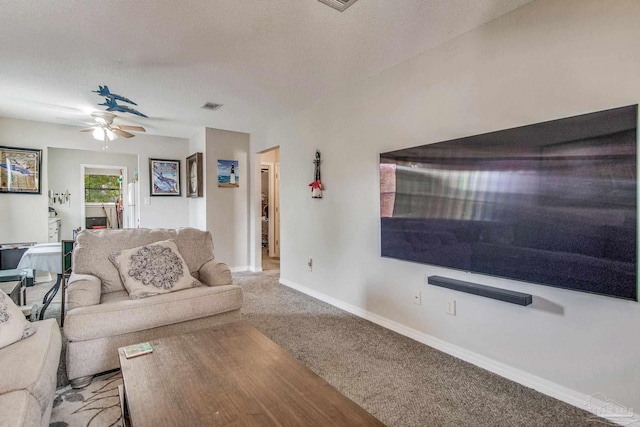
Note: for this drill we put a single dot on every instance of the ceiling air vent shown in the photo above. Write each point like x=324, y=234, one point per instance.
x=211, y=106
x=340, y=5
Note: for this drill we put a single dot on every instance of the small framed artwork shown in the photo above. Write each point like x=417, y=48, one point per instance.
x=164, y=177
x=20, y=170
x=228, y=173
x=194, y=175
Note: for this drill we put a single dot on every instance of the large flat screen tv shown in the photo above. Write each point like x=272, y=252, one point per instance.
x=552, y=203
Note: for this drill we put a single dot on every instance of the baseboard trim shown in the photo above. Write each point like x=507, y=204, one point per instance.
x=239, y=269
x=580, y=400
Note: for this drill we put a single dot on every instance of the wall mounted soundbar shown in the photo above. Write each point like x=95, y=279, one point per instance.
x=482, y=290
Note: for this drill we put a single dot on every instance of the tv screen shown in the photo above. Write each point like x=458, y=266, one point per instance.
x=552, y=203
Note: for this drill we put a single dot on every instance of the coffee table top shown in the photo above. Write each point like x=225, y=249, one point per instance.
x=230, y=375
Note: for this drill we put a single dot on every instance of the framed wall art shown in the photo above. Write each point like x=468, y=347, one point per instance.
x=164, y=177
x=228, y=173
x=194, y=175
x=20, y=170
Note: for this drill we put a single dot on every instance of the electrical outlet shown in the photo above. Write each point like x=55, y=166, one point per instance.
x=451, y=307
x=417, y=297
x=310, y=264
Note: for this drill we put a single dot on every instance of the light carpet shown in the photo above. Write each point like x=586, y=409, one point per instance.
x=398, y=380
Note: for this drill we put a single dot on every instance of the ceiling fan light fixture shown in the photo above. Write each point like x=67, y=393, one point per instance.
x=103, y=128
x=99, y=134
x=111, y=135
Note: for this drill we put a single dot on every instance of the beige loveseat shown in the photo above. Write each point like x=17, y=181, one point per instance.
x=28, y=371
x=101, y=317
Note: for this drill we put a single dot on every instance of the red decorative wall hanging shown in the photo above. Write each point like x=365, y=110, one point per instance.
x=316, y=185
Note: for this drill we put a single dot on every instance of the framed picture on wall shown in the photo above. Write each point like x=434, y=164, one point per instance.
x=20, y=170
x=228, y=173
x=164, y=177
x=194, y=175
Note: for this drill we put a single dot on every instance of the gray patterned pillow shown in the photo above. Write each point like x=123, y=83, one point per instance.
x=13, y=325
x=153, y=269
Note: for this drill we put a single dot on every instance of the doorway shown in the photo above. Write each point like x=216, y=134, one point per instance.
x=104, y=195
x=270, y=209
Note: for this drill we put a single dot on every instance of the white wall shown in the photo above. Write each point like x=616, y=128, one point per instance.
x=24, y=217
x=227, y=208
x=547, y=60
x=64, y=174
x=223, y=211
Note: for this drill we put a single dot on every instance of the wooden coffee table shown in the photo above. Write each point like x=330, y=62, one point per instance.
x=230, y=375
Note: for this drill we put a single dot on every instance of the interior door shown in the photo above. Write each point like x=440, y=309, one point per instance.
x=276, y=216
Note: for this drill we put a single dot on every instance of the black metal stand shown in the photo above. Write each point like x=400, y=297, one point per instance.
x=48, y=297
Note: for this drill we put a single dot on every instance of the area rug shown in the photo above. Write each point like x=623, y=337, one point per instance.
x=96, y=405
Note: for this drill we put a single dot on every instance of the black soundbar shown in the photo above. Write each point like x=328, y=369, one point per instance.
x=482, y=290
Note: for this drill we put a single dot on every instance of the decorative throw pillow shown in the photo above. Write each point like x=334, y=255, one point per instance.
x=13, y=325
x=153, y=269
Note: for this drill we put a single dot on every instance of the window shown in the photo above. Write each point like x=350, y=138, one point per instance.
x=101, y=188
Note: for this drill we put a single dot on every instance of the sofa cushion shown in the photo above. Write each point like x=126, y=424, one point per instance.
x=13, y=325
x=195, y=246
x=19, y=408
x=117, y=314
x=90, y=357
x=215, y=273
x=92, y=249
x=32, y=364
x=82, y=289
x=153, y=269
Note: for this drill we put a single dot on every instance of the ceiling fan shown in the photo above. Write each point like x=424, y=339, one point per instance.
x=105, y=130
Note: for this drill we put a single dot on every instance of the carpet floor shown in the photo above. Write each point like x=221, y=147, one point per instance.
x=398, y=380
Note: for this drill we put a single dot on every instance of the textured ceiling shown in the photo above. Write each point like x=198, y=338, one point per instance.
x=262, y=59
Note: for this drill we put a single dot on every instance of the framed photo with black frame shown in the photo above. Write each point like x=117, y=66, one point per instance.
x=164, y=177
x=194, y=175
x=20, y=170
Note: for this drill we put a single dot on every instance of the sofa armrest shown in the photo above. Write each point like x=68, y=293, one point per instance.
x=214, y=273
x=83, y=290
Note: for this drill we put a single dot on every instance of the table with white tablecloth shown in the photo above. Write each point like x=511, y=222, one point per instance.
x=45, y=257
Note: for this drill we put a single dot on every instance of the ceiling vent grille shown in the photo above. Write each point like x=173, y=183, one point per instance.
x=340, y=5
x=211, y=106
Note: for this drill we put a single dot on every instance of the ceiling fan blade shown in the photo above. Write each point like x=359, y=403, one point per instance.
x=133, y=128
x=87, y=129
x=122, y=133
